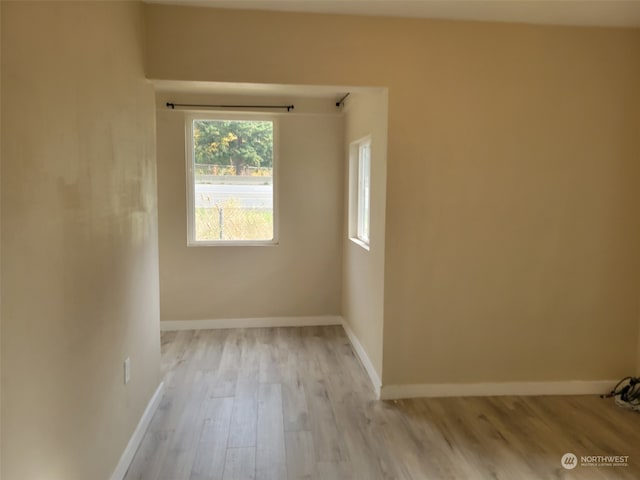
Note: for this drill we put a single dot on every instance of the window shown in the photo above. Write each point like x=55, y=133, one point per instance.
x=230, y=179
x=360, y=172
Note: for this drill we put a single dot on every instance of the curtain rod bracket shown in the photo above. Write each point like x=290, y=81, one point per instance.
x=340, y=102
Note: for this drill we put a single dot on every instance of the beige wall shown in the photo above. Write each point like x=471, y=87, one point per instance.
x=511, y=231
x=363, y=270
x=79, y=237
x=298, y=277
x=0, y=241
x=524, y=260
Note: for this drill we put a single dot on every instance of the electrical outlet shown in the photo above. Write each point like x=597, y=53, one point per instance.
x=127, y=370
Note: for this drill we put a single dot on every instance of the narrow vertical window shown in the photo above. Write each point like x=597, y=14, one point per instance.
x=364, y=191
x=360, y=192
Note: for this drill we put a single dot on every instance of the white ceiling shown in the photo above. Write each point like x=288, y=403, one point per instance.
x=617, y=13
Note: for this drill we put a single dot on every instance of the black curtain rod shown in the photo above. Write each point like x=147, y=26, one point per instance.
x=340, y=102
x=172, y=106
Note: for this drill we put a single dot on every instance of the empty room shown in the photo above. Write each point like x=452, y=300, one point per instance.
x=324, y=240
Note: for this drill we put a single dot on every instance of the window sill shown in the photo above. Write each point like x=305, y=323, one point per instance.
x=360, y=243
x=233, y=243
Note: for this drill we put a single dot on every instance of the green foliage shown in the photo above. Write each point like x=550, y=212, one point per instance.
x=240, y=143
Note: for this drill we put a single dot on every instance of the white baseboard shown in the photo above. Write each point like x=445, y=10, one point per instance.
x=138, y=434
x=394, y=392
x=216, y=323
x=364, y=358
x=569, y=387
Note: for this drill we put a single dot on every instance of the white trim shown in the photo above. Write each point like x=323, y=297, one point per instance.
x=199, y=114
x=355, y=183
x=216, y=323
x=569, y=387
x=138, y=434
x=364, y=359
x=234, y=243
x=360, y=243
x=364, y=191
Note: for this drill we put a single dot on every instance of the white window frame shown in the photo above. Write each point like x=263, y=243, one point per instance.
x=359, y=194
x=190, y=177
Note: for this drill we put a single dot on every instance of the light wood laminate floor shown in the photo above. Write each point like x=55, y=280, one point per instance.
x=295, y=403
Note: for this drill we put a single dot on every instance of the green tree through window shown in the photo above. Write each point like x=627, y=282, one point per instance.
x=239, y=143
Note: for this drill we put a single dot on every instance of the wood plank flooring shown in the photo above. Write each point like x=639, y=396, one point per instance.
x=295, y=403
